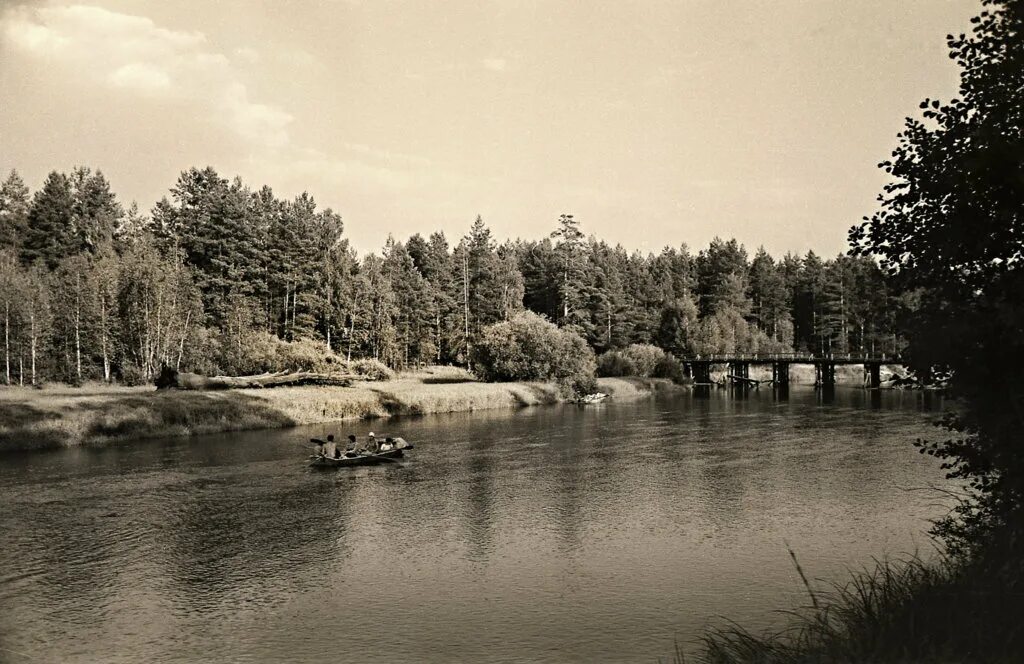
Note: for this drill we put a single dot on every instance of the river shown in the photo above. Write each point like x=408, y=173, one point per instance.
x=547, y=534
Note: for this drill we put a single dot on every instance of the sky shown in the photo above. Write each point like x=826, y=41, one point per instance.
x=656, y=123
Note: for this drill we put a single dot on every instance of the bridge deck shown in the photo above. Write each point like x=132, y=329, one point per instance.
x=794, y=358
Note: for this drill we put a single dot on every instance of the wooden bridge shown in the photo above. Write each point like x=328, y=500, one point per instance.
x=738, y=371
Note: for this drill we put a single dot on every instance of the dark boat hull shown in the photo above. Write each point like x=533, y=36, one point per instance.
x=359, y=460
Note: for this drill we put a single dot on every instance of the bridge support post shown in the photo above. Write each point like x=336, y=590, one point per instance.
x=825, y=374
x=780, y=373
x=701, y=372
x=873, y=375
x=739, y=372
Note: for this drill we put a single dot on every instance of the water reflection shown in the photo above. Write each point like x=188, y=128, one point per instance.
x=549, y=534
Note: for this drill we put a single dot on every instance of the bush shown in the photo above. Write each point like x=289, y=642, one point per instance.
x=669, y=367
x=642, y=360
x=615, y=363
x=644, y=357
x=133, y=376
x=529, y=347
x=372, y=369
x=258, y=353
x=308, y=355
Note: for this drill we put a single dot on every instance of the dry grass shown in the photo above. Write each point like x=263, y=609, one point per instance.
x=898, y=611
x=630, y=388
x=61, y=416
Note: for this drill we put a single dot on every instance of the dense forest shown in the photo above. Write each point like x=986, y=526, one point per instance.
x=223, y=278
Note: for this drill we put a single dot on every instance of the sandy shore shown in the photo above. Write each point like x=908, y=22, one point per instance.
x=60, y=416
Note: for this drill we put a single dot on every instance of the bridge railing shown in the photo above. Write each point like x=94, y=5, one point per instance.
x=789, y=357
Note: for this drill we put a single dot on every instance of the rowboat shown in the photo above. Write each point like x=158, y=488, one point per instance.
x=321, y=461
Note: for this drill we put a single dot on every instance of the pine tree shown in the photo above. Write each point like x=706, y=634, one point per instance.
x=572, y=265
x=131, y=228
x=211, y=224
x=769, y=295
x=677, y=329
x=14, y=210
x=713, y=266
x=50, y=232
x=95, y=211
x=414, y=306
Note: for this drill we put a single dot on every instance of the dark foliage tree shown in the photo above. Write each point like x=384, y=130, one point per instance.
x=95, y=211
x=950, y=228
x=50, y=233
x=713, y=266
x=14, y=209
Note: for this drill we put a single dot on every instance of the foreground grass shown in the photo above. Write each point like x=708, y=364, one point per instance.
x=62, y=416
x=899, y=611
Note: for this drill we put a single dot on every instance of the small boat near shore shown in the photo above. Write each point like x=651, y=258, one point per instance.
x=396, y=448
x=321, y=461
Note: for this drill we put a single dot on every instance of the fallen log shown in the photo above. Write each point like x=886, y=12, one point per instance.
x=752, y=382
x=170, y=378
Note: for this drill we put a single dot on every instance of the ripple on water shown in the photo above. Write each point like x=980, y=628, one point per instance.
x=547, y=534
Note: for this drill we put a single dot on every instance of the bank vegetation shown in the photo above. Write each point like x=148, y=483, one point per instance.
x=96, y=414
x=949, y=231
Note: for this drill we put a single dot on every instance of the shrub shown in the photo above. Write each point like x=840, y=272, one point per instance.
x=670, y=367
x=642, y=360
x=133, y=376
x=258, y=353
x=308, y=355
x=372, y=369
x=615, y=363
x=529, y=347
x=644, y=357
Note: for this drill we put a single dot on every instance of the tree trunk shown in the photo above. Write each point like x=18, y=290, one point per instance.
x=327, y=319
x=181, y=344
x=103, y=338
x=78, y=328
x=351, y=336
x=7, y=338
x=465, y=301
x=144, y=343
x=32, y=322
x=565, y=293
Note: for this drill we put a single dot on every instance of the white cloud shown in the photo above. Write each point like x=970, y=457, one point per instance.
x=386, y=156
x=132, y=53
x=140, y=76
x=247, y=55
x=495, y=64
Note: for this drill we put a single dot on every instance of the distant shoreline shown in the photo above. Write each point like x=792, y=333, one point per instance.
x=58, y=416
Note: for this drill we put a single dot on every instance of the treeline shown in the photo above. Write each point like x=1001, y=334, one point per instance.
x=223, y=278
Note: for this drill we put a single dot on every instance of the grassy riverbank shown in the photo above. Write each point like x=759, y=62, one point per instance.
x=947, y=610
x=60, y=416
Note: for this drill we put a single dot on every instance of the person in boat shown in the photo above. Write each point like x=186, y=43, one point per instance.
x=331, y=445
x=329, y=448
x=387, y=445
x=350, y=449
x=372, y=446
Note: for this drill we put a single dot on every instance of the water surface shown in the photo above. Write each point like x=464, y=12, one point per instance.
x=543, y=535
